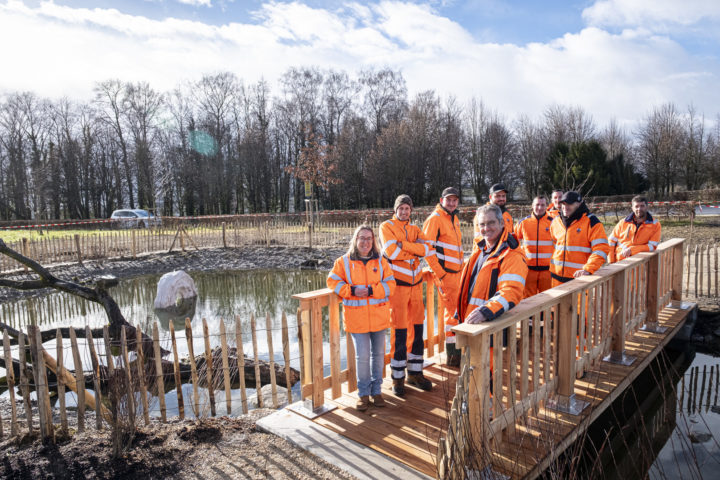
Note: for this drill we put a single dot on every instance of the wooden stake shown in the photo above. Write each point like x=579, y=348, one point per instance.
x=176, y=370
x=79, y=380
x=240, y=354
x=225, y=363
x=79, y=251
x=271, y=356
x=95, y=376
x=11, y=382
x=209, y=372
x=159, y=373
x=60, y=384
x=258, y=383
x=193, y=368
x=129, y=389
x=110, y=364
x=286, y=356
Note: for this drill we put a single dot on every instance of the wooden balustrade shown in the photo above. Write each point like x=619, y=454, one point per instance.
x=310, y=332
x=553, y=337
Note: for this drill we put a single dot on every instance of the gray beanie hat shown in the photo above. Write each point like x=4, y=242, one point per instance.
x=402, y=199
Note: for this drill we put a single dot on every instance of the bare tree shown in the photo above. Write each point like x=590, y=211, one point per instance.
x=661, y=140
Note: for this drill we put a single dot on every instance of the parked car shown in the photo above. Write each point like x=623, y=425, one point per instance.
x=135, y=218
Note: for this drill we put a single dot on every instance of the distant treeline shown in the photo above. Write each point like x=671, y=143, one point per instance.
x=219, y=146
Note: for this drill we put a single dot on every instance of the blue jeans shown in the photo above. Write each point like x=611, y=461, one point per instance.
x=369, y=360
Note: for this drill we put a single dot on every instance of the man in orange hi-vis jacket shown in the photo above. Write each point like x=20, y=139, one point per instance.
x=638, y=232
x=498, y=197
x=581, y=246
x=404, y=246
x=533, y=233
x=554, y=208
x=442, y=228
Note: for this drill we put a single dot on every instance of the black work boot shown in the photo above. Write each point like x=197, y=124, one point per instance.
x=418, y=380
x=453, y=355
x=399, y=387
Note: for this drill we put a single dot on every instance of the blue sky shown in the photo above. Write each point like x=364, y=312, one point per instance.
x=615, y=58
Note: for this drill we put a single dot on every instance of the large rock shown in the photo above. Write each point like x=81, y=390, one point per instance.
x=173, y=289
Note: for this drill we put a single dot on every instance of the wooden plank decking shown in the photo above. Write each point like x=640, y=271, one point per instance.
x=408, y=429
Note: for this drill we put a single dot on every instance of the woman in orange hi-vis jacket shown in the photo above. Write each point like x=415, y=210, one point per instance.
x=365, y=282
x=442, y=227
x=581, y=246
x=404, y=245
x=638, y=232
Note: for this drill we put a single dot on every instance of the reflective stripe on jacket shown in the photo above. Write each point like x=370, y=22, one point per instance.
x=476, y=229
x=535, y=241
x=366, y=314
x=581, y=245
x=405, y=261
x=642, y=238
x=443, y=231
x=493, y=281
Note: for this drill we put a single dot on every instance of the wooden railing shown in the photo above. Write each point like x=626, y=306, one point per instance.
x=310, y=332
x=581, y=322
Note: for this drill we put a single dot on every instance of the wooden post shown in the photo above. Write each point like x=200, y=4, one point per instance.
x=60, y=384
x=95, y=376
x=302, y=338
x=677, y=271
x=134, y=245
x=240, y=355
x=209, y=372
x=176, y=370
x=225, y=362
x=41, y=387
x=79, y=380
x=697, y=269
x=709, y=247
x=25, y=251
x=271, y=357
x=159, y=372
x=79, y=251
x=129, y=390
x=193, y=368
x=258, y=383
x=110, y=364
x=286, y=356
x=11, y=383
x=316, y=347
x=618, y=321
x=334, y=314
x=653, y=296
x=223, y=239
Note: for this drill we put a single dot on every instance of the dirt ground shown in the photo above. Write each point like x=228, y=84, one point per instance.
x=215, y=448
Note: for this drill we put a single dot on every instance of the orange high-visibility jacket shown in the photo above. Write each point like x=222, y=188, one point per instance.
x=366, y=314
x=405, y=261
x=535, y=241
x=476, y=229
x=640, y=238
x=493, y=281
x=552, y=211
x=443, y=231
x=580, y=243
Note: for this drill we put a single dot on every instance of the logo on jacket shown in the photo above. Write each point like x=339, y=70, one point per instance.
x=375, y=269
x=578, y=230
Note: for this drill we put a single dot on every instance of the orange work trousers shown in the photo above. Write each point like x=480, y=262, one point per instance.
x=406, y=310
x=536, y=282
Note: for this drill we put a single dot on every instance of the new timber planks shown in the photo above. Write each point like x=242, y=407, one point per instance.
x=408, y=429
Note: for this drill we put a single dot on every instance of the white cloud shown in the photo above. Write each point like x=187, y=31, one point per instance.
x=197, y=3
x=651, y=13
x=56, y=50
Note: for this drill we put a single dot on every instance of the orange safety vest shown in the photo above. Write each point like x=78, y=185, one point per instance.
x=363, y=314
x=640, y=238
x=476, y=229
x=535, y=241
x=493, y=281
x=580, y=245
x=443, y=230
x=405, y=261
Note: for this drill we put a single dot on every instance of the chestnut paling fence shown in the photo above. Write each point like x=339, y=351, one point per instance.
x=130, y=383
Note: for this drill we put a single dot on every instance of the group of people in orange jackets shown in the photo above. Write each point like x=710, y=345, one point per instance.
x=380, y=283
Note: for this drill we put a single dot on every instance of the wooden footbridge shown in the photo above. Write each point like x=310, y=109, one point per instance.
x=596, y=335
